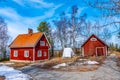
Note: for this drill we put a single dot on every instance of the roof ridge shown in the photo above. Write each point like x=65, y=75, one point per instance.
x=32, y=33
x=24, y=40
x=96, y=37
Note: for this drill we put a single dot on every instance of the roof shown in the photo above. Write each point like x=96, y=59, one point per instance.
x=97, y=38
x=26, y=40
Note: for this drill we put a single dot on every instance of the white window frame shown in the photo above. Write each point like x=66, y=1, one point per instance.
x=39, y=53
x=93, y=39
x=45, y=53
x=26, y=55
x=42, y=43
x=15, y=53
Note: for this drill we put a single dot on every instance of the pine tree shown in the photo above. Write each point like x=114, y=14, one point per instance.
x=43, y=27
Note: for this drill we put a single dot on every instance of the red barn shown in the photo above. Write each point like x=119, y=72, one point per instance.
x=29, y=47
x=94, y=46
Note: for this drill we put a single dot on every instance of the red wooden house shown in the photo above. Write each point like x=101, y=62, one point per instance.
x=94, y=46
x=29, y=47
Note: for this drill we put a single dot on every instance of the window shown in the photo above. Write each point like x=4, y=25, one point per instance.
x=45, y=54
x=15, y=53
x=26, y=53
x=42, y=43
x=93, y=39
x=39, y=53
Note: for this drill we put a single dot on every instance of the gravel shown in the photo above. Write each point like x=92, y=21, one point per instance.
x=108, y=71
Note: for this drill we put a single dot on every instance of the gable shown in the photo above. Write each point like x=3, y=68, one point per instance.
x=43, y=38
x=94, y=38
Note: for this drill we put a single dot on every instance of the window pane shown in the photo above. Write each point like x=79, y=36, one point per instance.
x=93, y=39
x=45, y=54
x=42, y=43
x=26, y=53
x=15, y=53
x=39, y=53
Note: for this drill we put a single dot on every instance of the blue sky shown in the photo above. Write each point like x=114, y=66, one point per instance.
x=23, y=14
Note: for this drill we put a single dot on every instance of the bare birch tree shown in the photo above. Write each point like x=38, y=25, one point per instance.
x=110, y=9
x=62, y=30
x=75, y=25
x=3, y=36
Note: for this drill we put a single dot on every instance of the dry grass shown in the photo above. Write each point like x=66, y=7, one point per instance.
x=48, y=64
x=15, y=64
x=116, y=53
x=76, y=69
x=83, y=68
x=118, y=57
x=87, y=69
x=19, y=64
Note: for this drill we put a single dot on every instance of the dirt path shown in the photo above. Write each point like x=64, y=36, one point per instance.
x=108, y=71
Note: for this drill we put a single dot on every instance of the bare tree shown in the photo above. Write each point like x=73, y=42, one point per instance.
x=3, y=36
x=110, y=9
x=75, y=25
x=106, y=34
x=52, y=37
x=62, y=30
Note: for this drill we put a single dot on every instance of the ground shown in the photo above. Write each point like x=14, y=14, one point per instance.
x=107, y=71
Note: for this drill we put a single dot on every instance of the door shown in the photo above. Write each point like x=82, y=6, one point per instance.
x=100, y=51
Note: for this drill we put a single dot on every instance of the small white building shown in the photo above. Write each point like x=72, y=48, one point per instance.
x=68, y=53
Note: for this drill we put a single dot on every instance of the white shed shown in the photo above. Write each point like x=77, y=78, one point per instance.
x=67, y=53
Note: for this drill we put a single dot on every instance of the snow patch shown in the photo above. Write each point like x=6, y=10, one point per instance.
x=92, y=62
x=60, y=65
x=12, y=74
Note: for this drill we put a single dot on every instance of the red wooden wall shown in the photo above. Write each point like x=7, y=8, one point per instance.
x=91, y=46
x=21, y=54
x=42, y=48
x=30, y=58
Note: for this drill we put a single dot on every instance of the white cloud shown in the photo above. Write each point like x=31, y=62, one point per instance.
x=19, y=2
x=41, y=3
x=9, y=13
x=34, y=3
x=18, y=24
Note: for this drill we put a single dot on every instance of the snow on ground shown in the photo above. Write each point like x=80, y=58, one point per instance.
x=88, y=62
x=92, y=62
x=12, y=74
x=60, y=65
x=107, y=71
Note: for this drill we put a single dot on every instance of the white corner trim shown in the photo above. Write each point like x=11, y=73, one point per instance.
x=103, y=51
x=106, y=51
x=33, y=54
x=83, y=51
x=47, y=39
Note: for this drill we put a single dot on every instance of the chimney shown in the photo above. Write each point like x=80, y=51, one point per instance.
x=30, y=31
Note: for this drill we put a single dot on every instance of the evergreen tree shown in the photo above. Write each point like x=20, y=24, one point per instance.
x=43, y=27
